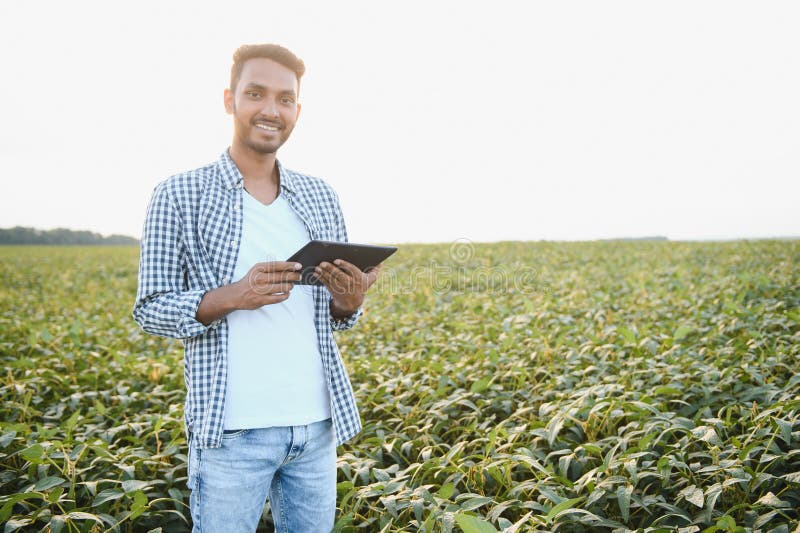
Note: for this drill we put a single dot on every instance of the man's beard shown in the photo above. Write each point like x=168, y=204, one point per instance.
x=260, y=147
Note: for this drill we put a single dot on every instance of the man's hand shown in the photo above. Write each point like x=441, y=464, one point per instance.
x=347, y=285
x=265, y=284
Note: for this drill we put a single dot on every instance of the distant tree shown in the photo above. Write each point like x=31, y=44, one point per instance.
x=24, y=235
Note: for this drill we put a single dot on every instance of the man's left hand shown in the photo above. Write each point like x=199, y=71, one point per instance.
x=347, y=285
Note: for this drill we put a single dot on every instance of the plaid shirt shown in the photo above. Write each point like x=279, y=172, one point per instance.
x=189, y=246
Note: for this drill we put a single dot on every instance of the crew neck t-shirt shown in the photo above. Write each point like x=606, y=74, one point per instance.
x=275, y=373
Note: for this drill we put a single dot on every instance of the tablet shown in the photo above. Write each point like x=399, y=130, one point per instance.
x=364, y=256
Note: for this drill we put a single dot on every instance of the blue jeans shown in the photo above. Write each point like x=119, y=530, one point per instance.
x=296, y=465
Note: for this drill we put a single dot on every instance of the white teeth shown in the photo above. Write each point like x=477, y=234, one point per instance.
x=266, y=127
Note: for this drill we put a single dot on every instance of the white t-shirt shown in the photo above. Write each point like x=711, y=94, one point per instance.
x=275, y=374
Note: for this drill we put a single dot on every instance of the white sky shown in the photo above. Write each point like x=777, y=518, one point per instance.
x=433, y=120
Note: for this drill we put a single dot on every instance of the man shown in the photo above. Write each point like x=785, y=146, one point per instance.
x=268, y=398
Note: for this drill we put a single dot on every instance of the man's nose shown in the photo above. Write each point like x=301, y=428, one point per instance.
x=270, y=109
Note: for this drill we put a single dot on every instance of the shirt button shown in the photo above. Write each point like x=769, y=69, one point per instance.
x=233, y=243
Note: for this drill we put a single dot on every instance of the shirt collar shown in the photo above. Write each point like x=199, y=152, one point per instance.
x=232, y=178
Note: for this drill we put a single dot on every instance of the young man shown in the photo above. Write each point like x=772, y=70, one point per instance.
x=268, y=398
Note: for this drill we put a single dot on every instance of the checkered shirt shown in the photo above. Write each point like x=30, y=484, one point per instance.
x=189, y=246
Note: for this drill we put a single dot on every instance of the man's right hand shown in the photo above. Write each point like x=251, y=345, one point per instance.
x=265, y=284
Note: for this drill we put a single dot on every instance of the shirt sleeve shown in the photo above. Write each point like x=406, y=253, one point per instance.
x=163, y=305
x=340, y=324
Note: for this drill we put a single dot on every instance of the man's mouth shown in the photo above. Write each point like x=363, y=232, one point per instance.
x=267, y=126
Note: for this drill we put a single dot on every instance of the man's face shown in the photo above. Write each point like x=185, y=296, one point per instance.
x=264, y=105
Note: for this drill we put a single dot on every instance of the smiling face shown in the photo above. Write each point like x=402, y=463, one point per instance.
x=264, y=106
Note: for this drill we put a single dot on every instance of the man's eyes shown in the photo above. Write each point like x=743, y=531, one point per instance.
x=287, y=100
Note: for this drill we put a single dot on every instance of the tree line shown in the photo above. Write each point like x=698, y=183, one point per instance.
x=23, y=235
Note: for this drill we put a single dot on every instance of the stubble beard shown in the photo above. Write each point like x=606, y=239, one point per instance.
x=259, y=147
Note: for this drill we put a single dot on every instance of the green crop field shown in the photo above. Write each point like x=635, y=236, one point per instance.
x=648, y=386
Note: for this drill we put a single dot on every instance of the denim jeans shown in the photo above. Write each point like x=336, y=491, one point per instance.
x=296, y=465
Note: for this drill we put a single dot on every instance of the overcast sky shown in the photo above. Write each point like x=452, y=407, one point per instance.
x=434, y=121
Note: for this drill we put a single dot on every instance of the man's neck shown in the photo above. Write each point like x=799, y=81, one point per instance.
x=260, y=173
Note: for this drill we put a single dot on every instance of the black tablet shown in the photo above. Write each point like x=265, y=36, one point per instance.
x=364, y=256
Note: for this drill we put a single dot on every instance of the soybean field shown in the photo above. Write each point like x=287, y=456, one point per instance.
x=512, y=386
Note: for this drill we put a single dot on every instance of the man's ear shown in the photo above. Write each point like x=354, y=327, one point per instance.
x=230, y=107
x=299, y=107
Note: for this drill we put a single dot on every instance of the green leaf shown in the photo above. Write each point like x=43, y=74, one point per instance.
x=139, y=504
x=446, y=491
x=48, y=483
x=341, y=488
x=176, y=494
x=593, y=449
x=55, y=494
x=381, y=474
x=474, y=503
x=773, y=501
x=792, y=477
x=682, y=332
x=693, y=495
x=624, y=500
x=480, y=385
x=33, y=453
x=70, y=423
x=132, y=485
x=726, y=522
x=8, y=504
x=107, y=495
x=764, y=519
x=76, y=329
x=554, y=427
x=16, y=523
x=57, y=523
x=6, y=438
x=626, y=334
x=473, y=524
x=563, y=506
x=76, y=515
x=139, y=498
x=784, y=430
x=706, y=434
x=45, y=336
x=712, y=494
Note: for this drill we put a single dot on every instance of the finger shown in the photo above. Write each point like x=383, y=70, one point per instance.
x=279, y=266
x=278, y=288
x=285, y=277
x=349, y=268
x=334, y=271
x=269, y=299
x=271, y=288
x=332, y=278
x=262, y=279
x=326, y=272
